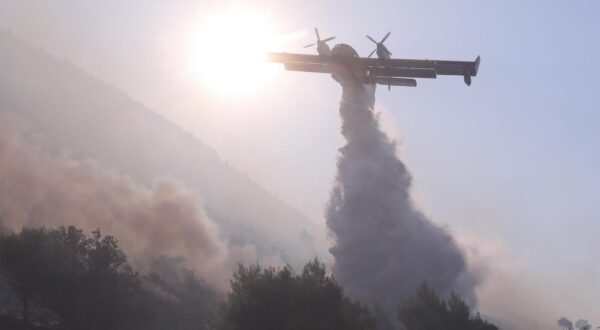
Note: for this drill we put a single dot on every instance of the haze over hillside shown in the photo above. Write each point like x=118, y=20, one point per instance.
x=77, y=114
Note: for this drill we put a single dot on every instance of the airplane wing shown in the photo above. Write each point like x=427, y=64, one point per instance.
x=300, y=62
x=308, y=67
x=386, y=72
x=456, y=68
x=383, y=76
x=422, y=68
x=295, y=58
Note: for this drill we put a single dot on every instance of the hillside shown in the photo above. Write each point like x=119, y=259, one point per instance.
x=89, y=119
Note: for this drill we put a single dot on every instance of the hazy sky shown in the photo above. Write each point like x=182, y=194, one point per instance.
x=509, y=164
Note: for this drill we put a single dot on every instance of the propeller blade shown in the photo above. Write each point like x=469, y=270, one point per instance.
x=386, y=36
x=317, y=33
x=328, y=39
x=372, y=39
x=373, y=52
x=309, y=45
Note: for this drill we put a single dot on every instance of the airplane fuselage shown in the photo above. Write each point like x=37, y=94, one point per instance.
x=347, y=66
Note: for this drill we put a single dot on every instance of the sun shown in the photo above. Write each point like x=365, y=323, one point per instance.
x=229, y=51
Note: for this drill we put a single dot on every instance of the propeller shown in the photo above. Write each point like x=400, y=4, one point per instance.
x=380, y=44
x=319, y=41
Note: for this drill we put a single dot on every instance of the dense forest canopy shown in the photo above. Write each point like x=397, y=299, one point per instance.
x=64, y=278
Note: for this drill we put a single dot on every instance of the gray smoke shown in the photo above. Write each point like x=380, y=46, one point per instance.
x=43, y=188
x=384, y=247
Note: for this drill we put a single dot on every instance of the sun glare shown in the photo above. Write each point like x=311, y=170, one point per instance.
x=229, y=51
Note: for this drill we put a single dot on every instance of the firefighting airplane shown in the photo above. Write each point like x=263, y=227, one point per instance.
x=344, y=64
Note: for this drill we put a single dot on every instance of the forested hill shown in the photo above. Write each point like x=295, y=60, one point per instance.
x=89, y=119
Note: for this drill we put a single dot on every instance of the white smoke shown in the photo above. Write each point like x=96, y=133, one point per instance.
x=39, y=188
x=384, y=246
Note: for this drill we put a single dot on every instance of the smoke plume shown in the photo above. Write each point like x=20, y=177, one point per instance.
x=384, y=247
x=43, y=188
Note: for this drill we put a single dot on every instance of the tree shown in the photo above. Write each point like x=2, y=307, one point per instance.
x=93, y=285
x=176, y=298
x=565, y=323
x=23, y=260
x=425, y=310
x=583, y=325
x=384, y=321
x=269, y=298
x=86, y=281
x=459, y=314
